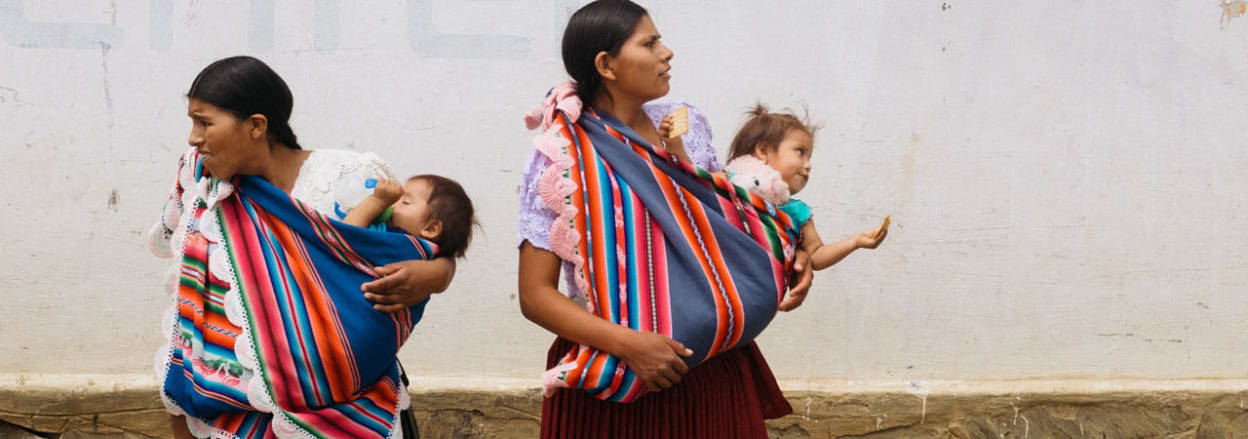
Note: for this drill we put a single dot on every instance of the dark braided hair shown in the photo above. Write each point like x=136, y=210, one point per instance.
x=601, y=26
x=244, y=86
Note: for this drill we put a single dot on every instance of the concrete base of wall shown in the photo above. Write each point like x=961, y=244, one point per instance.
x=128, y=406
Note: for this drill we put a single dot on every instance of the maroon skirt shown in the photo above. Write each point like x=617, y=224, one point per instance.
x=727, y=396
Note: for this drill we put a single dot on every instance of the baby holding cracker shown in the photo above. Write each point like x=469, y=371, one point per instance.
x=770, y=156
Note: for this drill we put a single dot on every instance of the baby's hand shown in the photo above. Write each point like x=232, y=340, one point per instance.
x=673, y=145
x=870, y=239
x=388, y=192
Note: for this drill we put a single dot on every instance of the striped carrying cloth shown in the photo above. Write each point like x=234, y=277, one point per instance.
x=658, y=244
x=270, y=335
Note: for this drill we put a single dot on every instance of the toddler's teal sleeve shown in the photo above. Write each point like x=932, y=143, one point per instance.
x=798, y=211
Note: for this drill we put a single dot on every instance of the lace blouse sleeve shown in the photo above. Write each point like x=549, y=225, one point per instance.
x=326, y=168
x=534, y=218
x=370, y=164
x=160, y=236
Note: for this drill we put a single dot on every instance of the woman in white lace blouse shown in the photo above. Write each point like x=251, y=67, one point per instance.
x=240, y=110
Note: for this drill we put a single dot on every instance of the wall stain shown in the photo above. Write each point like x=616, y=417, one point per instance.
x=907, y=168
x=1232, y=9
x=114, y=198
x=9, y=96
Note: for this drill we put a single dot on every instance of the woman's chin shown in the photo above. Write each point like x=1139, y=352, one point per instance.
x=658, y=94
x=217, y=174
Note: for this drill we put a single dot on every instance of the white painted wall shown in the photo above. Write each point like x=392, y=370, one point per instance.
x=1066, y=179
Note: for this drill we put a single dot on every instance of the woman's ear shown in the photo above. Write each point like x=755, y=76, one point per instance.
x=605, y=65
x=431, y=230
x=258, y=126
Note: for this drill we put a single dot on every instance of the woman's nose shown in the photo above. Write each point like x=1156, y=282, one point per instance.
x=195, y=139
x=669, y=55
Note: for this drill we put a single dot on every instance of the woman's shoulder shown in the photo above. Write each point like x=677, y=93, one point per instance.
x=326, y=167
x=334, y=163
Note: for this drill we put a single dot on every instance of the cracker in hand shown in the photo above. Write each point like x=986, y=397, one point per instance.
x=680, y=122
x=883, y=227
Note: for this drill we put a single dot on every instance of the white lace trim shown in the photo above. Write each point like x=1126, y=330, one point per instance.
x=174, y=212
x=405, y=402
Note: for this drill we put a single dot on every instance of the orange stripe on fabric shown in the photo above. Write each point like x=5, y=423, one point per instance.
x=725, y=277
x=325, y=331
x=691, y=239
x=597, y=224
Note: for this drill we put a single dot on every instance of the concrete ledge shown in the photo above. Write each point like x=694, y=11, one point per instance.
x=128, y=406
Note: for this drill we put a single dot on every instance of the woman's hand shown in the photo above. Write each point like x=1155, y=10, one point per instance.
x=674, y=146
x=406, y=283
x=654, y=357
x=803, y=275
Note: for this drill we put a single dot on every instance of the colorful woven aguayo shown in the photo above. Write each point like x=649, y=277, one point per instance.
x=658, y=244
x=270, y=335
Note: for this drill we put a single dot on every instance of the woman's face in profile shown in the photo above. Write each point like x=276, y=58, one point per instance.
x=641, y=68
x=222, y=139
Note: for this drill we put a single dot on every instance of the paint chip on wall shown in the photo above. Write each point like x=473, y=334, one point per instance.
x=1232, y=9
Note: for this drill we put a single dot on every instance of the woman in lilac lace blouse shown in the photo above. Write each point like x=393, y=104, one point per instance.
x=611, y=49
x=535, y=218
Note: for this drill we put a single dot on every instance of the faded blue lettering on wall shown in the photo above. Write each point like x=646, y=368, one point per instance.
x=326, y=26
x=17, y=31
x=160, y=30
x=563, y=11
x=431, y=44
x=260, y=26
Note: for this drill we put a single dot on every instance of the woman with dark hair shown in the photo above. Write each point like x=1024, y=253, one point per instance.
x=613, y=372
x=285, y=323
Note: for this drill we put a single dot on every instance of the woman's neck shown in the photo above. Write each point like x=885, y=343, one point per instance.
x=629, y=111
x=281, y=166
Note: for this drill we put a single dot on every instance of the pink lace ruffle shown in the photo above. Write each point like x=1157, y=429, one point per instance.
x=555, y=187
x=563, y=98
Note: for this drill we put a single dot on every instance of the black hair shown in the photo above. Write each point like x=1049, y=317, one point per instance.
x=449, y=204
x=601, y=26
x=244, y=86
